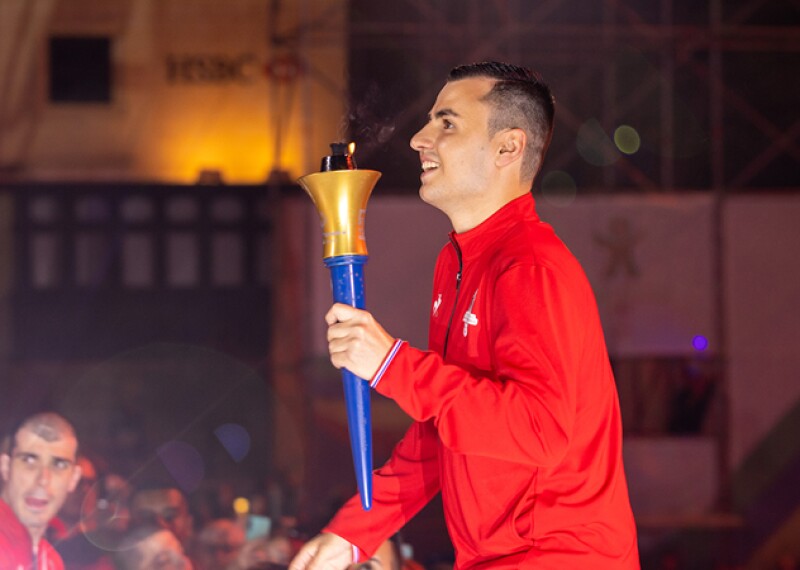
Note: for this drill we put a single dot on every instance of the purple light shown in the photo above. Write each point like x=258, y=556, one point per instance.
x=700, y=342
x=235, y=439
x=184, y=463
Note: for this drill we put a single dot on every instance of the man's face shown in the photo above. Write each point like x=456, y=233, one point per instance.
x=167, y=506
x=218, y=544
x=38, y=476
x=455, y=149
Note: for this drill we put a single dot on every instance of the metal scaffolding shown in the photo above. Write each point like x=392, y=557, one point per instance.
x=707, y=86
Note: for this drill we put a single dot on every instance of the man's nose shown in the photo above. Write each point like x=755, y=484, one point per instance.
x=421, y=140
x=44, y=476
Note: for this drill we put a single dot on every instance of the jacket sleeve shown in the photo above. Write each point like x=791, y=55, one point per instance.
x=523, y=410
x=405, y=484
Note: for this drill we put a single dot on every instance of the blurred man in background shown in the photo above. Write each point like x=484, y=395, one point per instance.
x=150, y=547
x=217, y=545
x=163, y=506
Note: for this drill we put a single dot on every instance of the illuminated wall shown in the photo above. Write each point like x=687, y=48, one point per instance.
x=242, y=87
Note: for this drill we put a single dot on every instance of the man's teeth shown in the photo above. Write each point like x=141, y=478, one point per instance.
x=428, y=165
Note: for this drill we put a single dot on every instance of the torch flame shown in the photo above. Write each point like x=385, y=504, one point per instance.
x=351, y=148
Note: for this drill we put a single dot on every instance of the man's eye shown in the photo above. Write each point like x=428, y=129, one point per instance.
x=61, y=464
x=447, y=124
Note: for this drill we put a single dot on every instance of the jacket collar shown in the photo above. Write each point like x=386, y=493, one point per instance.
x=16, y=533
x=475, y=241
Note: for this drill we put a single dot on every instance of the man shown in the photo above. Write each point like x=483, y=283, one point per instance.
x=151, y=547
x=517, y=418
x=38, y=472
x=164, y=506
x=218, y=545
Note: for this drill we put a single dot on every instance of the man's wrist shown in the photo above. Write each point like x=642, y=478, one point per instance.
x=387, y=360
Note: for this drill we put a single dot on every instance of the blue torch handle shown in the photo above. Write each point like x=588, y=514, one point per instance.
x=347, y=278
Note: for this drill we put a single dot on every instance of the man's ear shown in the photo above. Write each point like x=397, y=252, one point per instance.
x=5, y=463
x=76, y=476
x=511, y=146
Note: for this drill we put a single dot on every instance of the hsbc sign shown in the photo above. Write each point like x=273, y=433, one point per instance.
x=216, y=69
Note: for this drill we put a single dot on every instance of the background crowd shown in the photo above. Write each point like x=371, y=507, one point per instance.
x=102, y=521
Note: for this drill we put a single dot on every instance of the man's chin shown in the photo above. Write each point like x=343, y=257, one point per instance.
x=37, y=519
x=426, y=192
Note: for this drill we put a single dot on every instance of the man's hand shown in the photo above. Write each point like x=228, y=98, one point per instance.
x=356, y=341
x=325, y=551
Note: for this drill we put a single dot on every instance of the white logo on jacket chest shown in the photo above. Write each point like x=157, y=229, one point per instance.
x=470, y=318
x=436, y=305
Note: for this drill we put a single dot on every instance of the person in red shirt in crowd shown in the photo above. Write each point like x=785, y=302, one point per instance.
x=517, y=419
x=38, y=471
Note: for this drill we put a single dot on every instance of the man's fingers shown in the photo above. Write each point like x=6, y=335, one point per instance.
x=340, y=312
x=345, y=336
x=356, y=341
x=339, y=350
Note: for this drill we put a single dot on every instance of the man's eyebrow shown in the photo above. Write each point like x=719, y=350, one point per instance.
x=64, y=459
x=447, y=112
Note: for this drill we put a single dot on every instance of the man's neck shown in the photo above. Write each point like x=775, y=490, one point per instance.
x=36, y=538
x=37, y=534
x=475, y=214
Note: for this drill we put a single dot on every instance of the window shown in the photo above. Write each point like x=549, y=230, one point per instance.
x=80, y=69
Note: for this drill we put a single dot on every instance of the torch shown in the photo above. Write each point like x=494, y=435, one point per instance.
x=340, y=193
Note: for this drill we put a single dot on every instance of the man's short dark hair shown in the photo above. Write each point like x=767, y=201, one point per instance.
x=519, y=99
x=48, y=425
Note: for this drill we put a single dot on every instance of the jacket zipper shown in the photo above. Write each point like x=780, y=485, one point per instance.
x=455, y=303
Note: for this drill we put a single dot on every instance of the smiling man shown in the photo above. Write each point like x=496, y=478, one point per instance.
x=38, y=473
x=517, y=417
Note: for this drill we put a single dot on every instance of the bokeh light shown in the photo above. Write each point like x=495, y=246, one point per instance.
x=241, y=506
x=558, y=188
x=594, y=145
x=184, y=463
x=235, y=439
x=700, y=343
x=627, y=139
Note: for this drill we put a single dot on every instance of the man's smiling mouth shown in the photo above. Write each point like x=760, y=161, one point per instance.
x=428, y=165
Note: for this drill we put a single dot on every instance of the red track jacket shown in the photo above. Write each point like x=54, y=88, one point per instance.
x=517, y=417
x=16, y=550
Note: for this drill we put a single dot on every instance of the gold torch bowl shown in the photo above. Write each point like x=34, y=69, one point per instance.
x=340, y=197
